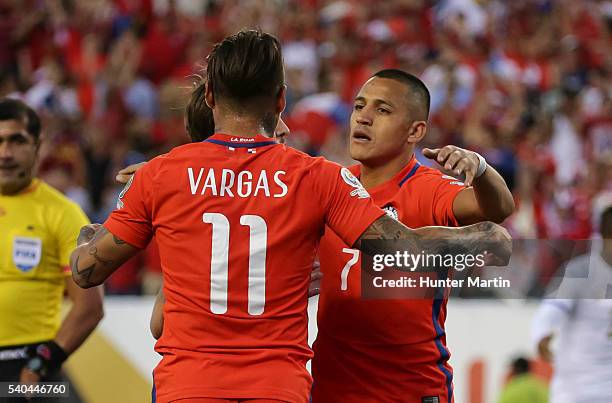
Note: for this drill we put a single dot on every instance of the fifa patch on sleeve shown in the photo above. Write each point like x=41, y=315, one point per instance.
x=125, y=189
x=352, y=180
x=430, y=399
x=391, y=212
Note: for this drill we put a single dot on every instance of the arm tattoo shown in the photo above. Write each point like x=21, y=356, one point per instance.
x=100, y=262
x=471, y=239
x=118, y=240
x=383, y=228
x=93, y=251
x=85, y=274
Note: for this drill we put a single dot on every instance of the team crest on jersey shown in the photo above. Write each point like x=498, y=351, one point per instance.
x=125, y=189
x=352, y=180
x=391, y=212
x=27, y=253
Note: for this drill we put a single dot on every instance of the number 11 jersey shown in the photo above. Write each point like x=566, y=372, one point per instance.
x=237, y=221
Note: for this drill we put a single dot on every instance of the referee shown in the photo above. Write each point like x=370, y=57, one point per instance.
x=38, y=230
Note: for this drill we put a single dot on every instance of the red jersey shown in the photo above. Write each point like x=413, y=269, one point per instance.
x=384, y=350
x=237, y=222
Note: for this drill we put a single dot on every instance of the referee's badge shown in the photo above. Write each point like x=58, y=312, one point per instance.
x=26, y=253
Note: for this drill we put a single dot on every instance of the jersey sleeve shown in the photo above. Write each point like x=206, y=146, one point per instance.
x=438, y=194
x=549, y=318
x=131, y=220
x=68, y=227
x=349, y=210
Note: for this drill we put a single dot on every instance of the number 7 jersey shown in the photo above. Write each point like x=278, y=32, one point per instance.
x=237, y=221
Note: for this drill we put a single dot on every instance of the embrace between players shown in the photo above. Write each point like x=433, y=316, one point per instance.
x=237, y=267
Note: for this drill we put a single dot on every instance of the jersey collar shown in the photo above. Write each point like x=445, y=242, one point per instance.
x=240, y=142
x=399, y=178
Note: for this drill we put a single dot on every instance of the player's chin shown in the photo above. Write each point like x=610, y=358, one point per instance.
x=360, y=151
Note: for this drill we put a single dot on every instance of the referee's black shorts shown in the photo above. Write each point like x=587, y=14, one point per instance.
x=12, y=361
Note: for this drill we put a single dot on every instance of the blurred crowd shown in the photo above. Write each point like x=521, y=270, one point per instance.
x=527, y=83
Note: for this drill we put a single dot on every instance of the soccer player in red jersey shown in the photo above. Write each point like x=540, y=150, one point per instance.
x=237, y=219
x=395, y=350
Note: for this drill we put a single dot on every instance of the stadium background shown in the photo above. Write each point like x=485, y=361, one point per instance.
x=526, y=83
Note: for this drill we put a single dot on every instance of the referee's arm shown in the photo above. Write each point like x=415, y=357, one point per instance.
x=86, y=312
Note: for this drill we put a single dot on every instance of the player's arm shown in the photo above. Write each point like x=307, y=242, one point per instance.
x=481, y=238
x=98, y=254
x=549, y=318
x=487, y=197
x=157, y=317
x=352, y=214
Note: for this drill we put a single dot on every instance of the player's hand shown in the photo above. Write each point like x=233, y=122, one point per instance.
x=315, y=280
x=87, y=233
x=493, y=241
x=124, y=175
x=455, y=161
x=544, y=349
x=498, y=239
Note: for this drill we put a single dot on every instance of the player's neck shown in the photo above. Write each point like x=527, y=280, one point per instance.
x=373, y=175
x=241, y=127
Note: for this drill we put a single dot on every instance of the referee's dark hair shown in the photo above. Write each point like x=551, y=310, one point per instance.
x=245, y=71
x=14, y=109
x=419, y=98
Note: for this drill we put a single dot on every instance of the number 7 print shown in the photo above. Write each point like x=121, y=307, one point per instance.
x=345, y=271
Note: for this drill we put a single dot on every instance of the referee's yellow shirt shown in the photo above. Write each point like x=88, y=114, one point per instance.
x=38, y=231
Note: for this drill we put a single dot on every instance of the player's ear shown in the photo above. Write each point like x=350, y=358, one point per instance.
x=209, y=97
x=417, y=131
x=281, y=101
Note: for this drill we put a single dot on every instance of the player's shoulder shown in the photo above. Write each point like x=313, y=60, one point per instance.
x=157, y=164
x=423, y=173
x=307, y=161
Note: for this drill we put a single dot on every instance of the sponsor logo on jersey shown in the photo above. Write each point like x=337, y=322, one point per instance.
x=125, y=189
x=454, y=180
x=391, y=212
x=27, y=253
x=352, y=180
